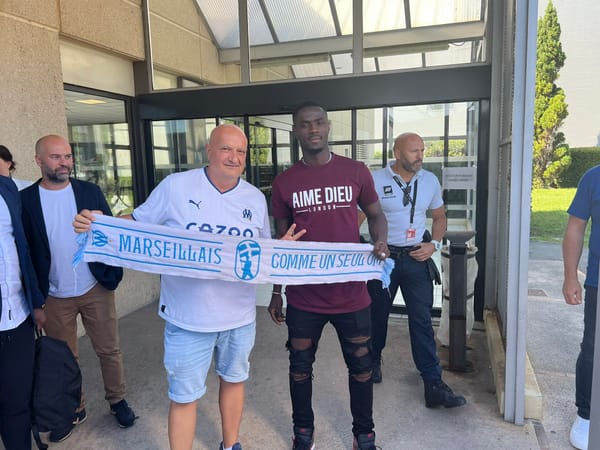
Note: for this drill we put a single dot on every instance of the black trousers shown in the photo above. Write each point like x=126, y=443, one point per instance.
x=17, y=352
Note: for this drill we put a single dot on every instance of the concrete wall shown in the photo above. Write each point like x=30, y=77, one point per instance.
x=31, y=92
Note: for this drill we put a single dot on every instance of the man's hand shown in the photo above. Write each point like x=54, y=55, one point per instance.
x=572, y=292
x=39, y=315
x=290, y=234
x=83, y=221
x=276, y=309
x=380, y=250
x=423, y=252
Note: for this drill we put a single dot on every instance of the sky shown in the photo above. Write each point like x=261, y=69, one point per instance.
x=580, y=76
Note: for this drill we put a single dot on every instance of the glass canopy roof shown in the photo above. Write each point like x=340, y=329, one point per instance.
x=314, y=37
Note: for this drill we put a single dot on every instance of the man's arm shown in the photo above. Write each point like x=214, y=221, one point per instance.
x=438, y=228
x=378, y=229
x=572, y=248
x=282, y=227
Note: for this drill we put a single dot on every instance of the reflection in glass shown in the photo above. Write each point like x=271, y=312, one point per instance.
x=103, y=156
x=178, y=145
x=99, y=136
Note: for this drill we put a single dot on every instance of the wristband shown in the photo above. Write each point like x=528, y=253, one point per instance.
x=275, y=292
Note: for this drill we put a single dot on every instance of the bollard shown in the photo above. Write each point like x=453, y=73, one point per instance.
x=457, y=356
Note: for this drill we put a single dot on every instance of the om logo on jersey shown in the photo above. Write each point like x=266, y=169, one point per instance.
x=247, y=259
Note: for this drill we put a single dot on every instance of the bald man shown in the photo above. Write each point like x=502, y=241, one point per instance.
x=407, y=192
x=88, y=289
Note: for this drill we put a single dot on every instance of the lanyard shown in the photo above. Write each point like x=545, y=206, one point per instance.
x=413, y=200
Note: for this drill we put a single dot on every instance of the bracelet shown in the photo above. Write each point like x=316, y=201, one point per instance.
x=275, y=292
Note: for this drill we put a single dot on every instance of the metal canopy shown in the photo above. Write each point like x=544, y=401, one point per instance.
x=315, y=37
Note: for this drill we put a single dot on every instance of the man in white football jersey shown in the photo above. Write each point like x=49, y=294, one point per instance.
x=206, y=316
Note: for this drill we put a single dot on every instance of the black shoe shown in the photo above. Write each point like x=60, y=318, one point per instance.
x=437, y=393
x=377, y=376
x=365, y=442
x=303, y=439
x=79, y=417
x=123, y=413
x=62, y=434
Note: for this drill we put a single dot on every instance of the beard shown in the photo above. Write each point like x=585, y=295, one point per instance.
x=55, y=177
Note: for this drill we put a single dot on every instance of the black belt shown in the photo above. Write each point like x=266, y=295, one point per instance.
x=396, y=252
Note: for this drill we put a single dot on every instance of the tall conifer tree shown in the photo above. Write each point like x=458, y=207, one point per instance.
x=550, y=152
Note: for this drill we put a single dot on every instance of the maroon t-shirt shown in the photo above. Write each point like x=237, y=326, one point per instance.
x=324, y=200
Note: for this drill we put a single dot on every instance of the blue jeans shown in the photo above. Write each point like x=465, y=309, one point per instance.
x=354, y=334
x=585, y=361
x=414, y=281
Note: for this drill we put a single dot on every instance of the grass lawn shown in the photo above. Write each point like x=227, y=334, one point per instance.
x=549, y=213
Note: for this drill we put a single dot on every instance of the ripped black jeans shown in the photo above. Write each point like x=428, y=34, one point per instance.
x=354, y=334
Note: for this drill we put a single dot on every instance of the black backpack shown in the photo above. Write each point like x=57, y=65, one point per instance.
x=56, y=387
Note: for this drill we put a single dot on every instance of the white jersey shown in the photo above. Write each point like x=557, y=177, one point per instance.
x=429, y=196
x=189, y=200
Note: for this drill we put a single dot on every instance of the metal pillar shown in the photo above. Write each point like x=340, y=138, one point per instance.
x=457, y=358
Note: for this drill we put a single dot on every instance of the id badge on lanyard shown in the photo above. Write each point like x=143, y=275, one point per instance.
x=411, y=233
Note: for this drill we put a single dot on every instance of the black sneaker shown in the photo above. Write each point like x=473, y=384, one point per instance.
x=377, y=376
x=123, y=413
x=437, y=393
x=365, y=442
x=303, y=439
x=79, y=417
x=236, y=446
x=62, y=434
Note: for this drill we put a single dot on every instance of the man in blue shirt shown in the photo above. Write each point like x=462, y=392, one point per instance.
x=585, y=205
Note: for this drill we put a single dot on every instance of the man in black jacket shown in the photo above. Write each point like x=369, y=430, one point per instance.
x=20, y=302
x=49, y=206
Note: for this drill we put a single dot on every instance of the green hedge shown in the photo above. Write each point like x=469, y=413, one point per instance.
x=582, y=159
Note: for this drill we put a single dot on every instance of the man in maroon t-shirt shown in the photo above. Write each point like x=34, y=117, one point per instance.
x=321, y=194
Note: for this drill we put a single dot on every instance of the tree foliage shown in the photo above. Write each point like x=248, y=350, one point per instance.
x=550, y=151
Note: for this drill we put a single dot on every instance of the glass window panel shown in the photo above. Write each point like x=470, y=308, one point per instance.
x=300, y=19
x=398, y=62
x=437, y=12
x=369, y=65
x=425, y=120
x=284, y=150
x=178, y=145
x=344, y=12
x=121, y=134
x=369, y=124
x=99, y=136
x=223, y=19
x=341, y=126
x=100, y=160
x=312, y=70
x=342, y=149
x=457, y=53
x=343, y=64
x=371, y=153
x=383, y=15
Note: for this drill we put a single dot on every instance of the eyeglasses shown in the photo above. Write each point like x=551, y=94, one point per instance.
x=406, y=198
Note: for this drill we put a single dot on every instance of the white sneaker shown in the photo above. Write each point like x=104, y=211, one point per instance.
x=580, y=432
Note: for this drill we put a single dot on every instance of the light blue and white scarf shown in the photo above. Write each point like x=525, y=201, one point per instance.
x=169, y=251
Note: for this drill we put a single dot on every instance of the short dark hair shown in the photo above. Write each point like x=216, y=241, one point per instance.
x=307, y=104
x=6, y=155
